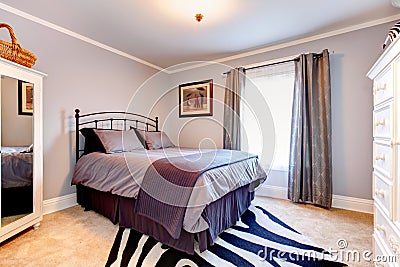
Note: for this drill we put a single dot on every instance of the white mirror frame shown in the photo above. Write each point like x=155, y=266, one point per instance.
x=16, y=71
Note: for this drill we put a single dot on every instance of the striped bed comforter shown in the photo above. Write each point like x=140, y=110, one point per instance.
x=168, y=184
x=122, y=174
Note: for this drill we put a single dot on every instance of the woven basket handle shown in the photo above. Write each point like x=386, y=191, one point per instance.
x=12, y=34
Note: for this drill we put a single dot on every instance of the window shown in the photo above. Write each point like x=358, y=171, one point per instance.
x=266, y=114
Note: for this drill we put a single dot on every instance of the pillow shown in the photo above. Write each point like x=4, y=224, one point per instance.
x=92, y=141
x=140, y=135
x=155, y=140
x=119, y=141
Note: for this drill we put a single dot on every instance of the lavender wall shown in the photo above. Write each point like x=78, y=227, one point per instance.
x=16, y=130
x=80, y=75
x=352, y=54
x=84, y=76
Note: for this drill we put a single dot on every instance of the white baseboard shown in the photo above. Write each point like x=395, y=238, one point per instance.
x=352, y=203
x=59, y=203
x=272, y=191
x=341, y=202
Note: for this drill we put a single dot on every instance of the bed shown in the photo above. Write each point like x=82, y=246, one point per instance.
x=16, y=180
x=176, y=195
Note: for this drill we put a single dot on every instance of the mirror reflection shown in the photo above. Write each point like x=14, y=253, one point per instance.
x=16, y=149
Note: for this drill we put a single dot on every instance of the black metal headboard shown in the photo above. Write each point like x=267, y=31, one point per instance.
x=120, y=120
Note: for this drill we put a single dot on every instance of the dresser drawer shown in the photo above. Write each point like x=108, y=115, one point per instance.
x=383, y=194
x=381, y=257
x=383, y=122
x=383, y=158
x=383, y=86
x=384, y=230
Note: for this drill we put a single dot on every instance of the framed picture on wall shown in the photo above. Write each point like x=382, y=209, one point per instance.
x=25, y=98
x=195, y=99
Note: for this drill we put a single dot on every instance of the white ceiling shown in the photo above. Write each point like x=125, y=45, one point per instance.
x=165, y=33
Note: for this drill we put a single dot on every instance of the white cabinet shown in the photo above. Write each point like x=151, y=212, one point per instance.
x=386, y=153
x=21, y=141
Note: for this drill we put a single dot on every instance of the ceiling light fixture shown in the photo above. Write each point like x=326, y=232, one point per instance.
x=199, y=17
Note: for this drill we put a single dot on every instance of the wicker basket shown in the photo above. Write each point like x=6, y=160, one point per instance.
x=14, y=52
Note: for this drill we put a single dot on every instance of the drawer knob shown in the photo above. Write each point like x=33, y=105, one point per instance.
x=394, y=244
x=380, y=87
x=380, y=192
x=380, y=157
x=381, y=228
x=380, y=123
x=394, y=143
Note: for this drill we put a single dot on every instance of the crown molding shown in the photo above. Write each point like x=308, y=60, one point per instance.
x=293, y=43
x=75, y=35
x=202, y=64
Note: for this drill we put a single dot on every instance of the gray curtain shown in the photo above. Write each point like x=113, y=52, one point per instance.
x=235, y=81
x=310, y=163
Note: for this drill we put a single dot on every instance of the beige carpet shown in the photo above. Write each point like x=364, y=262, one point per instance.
x=73, y=237
x=326, y=227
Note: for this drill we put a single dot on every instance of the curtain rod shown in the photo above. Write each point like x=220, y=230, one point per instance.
x=275, y=63
x=271, y=64
x=266, y=65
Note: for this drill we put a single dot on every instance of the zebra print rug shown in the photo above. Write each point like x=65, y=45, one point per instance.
x=258, y=239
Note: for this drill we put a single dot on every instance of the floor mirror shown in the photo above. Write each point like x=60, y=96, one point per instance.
x=21, y=197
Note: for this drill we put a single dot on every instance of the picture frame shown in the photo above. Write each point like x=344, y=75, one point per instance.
x=25, y=98
x=196, y=99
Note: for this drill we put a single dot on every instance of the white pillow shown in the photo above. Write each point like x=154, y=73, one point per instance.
x=119, y=141
x=155, y=140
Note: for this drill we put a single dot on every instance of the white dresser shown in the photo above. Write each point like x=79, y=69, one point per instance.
x=386, y=155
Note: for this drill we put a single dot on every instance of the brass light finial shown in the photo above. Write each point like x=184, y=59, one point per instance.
x=199, y=17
